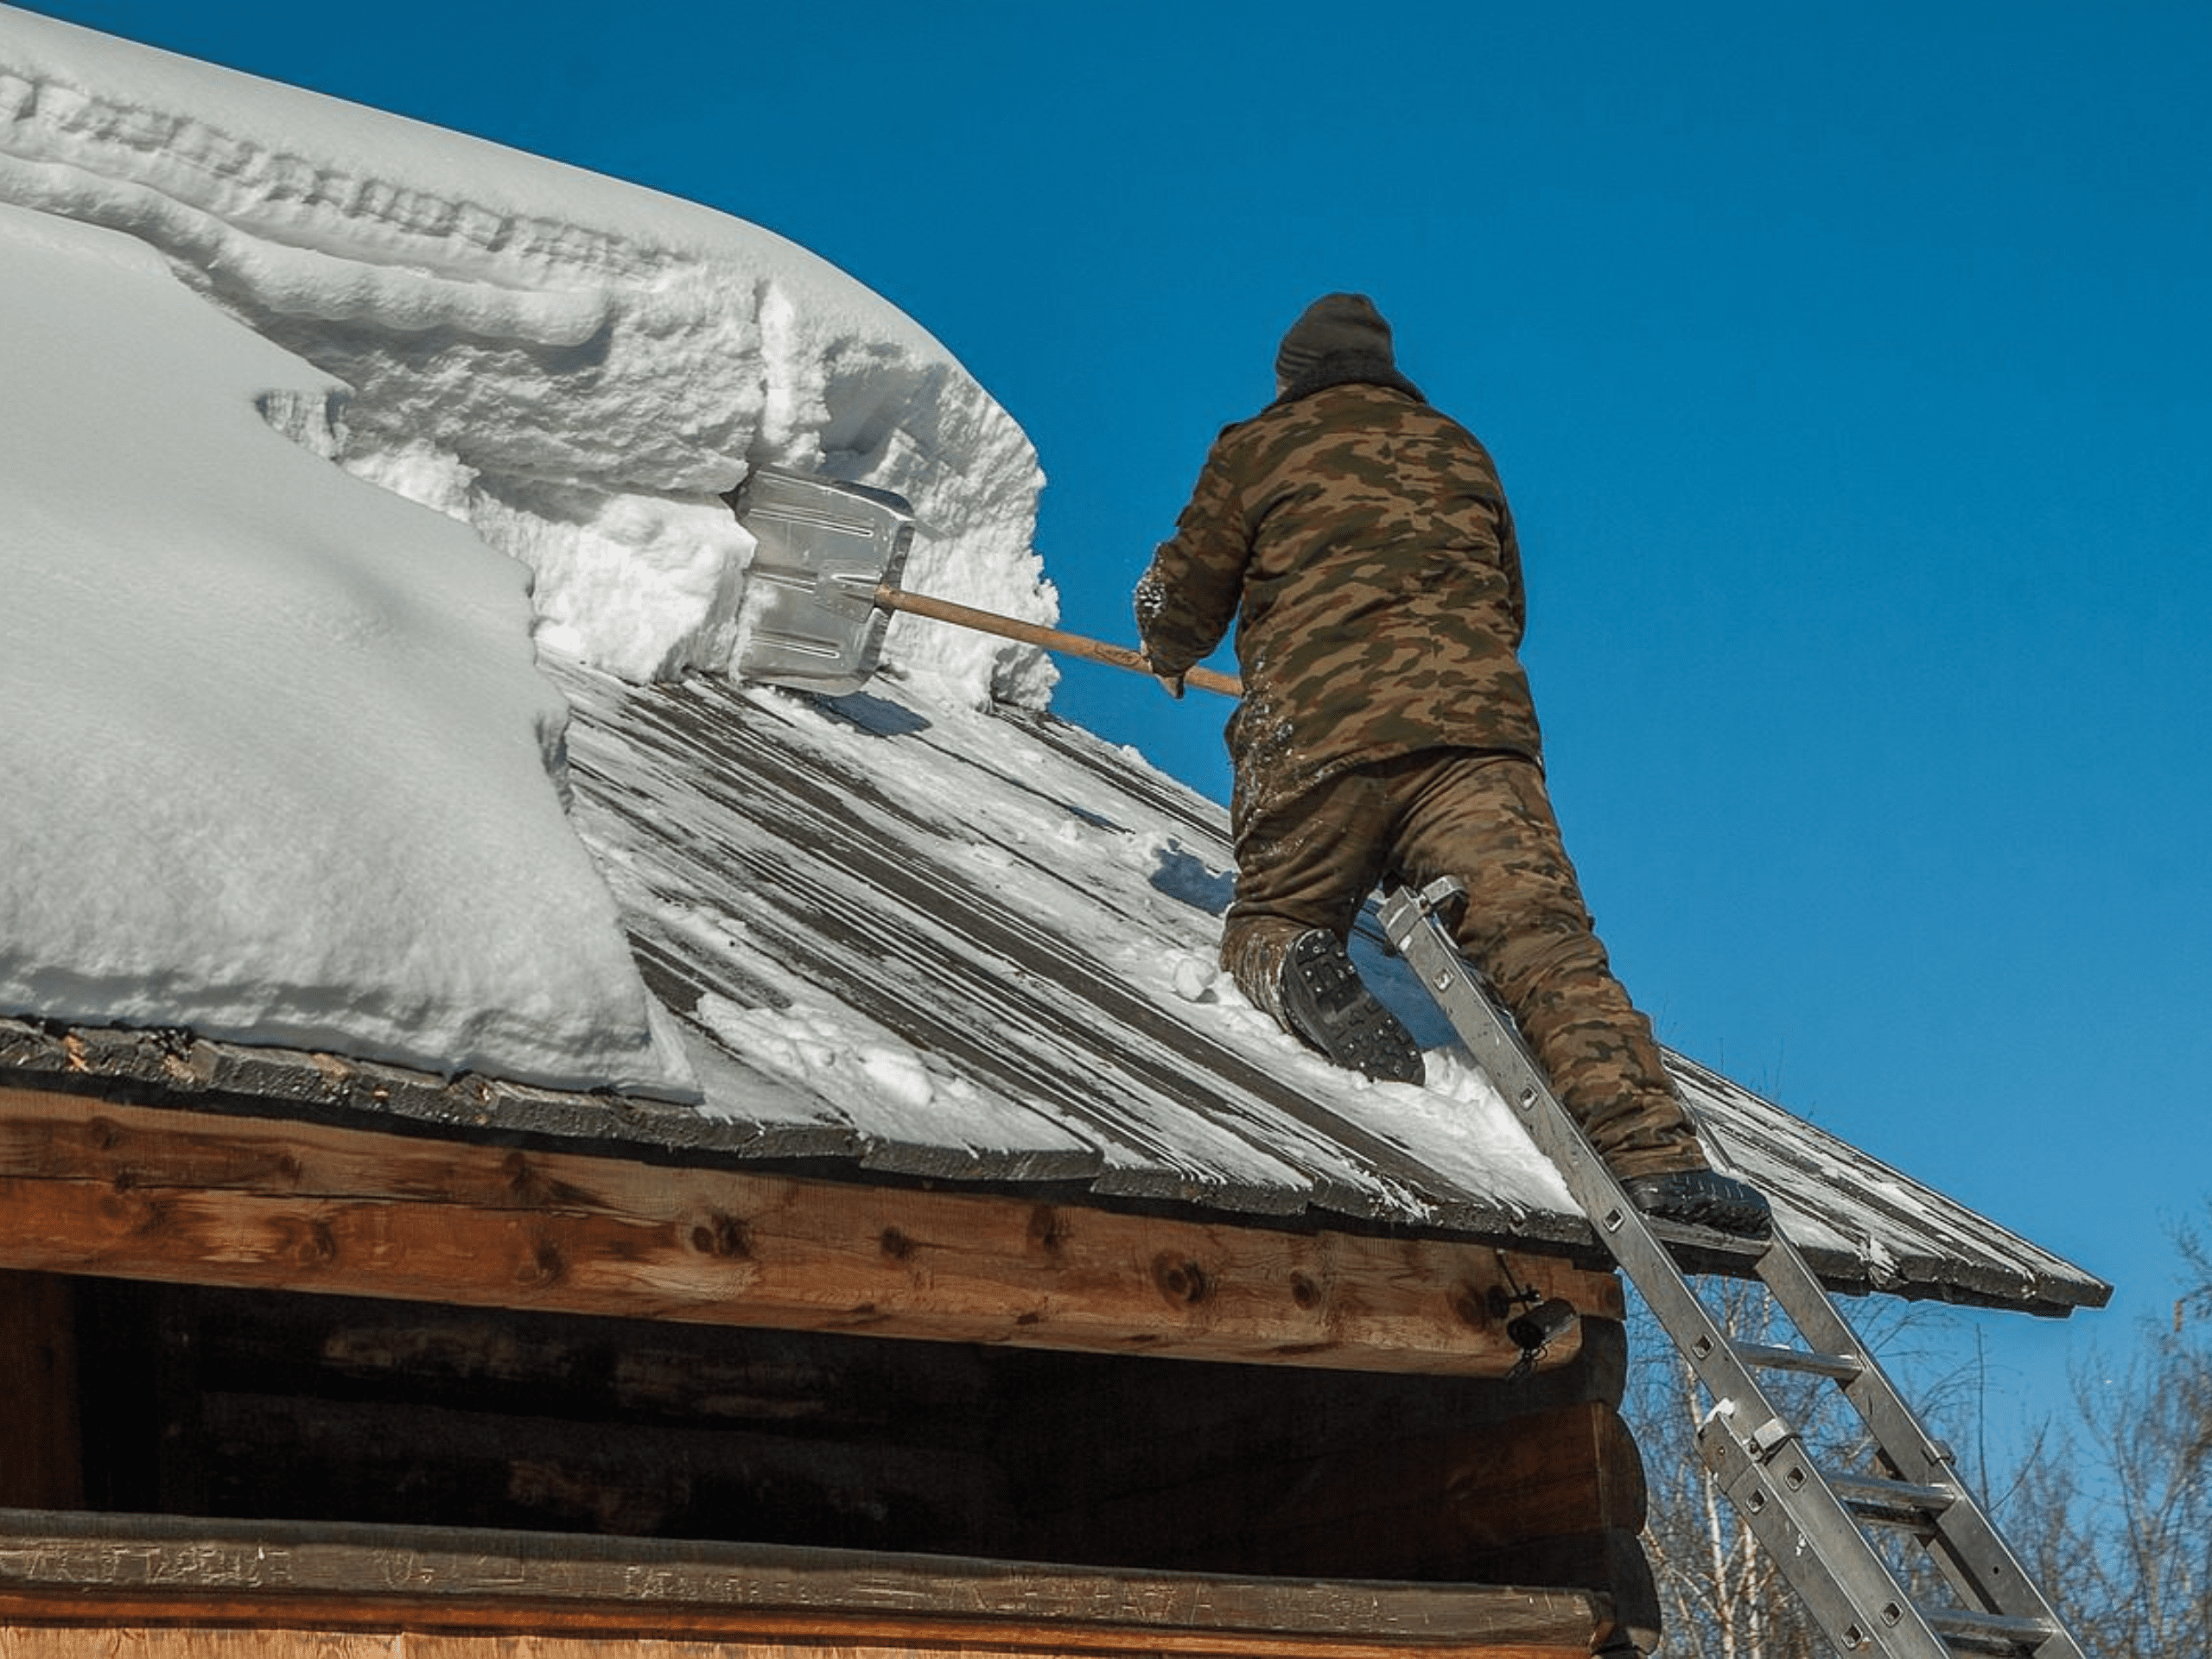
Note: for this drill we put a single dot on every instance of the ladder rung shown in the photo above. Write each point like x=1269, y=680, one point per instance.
x=1999, y=1633
x=1893, y=1502
x=1842, y=1367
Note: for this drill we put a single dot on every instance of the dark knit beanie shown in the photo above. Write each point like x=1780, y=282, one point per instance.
x=1335, y=324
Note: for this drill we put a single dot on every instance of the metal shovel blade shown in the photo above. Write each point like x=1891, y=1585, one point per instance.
x=825, y=582
x=822, y=549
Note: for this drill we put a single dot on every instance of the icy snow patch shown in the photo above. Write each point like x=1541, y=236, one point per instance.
x=1455, y=1121
x=874, y=1080
x=815, y=1048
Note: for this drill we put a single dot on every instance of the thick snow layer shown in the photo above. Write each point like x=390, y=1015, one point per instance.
x=279, y=764
x=575, y=367
x=276, y=750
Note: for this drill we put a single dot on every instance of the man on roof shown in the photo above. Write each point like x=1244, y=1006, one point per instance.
x=1361, y=542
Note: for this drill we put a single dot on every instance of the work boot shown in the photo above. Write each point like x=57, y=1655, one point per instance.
x=1702, y=1198
x=1329, y=1007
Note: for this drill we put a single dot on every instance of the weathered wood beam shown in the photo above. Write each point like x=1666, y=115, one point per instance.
x=140, y=1192
x=298, y=1637
x=488, y=1595
x=1613, y=1558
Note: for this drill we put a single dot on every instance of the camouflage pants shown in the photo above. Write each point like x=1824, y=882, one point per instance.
x=1484, y=817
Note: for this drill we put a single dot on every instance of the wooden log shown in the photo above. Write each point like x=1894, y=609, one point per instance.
x=1613, y=1560
x=298, y=1634
x=345, y=1407
x=136, y=1192
x=580, y=1367
x=42, y=1466
x=1220, y=1415
x=1430, y=1506
x=110, y=1580
x=1193, y=1457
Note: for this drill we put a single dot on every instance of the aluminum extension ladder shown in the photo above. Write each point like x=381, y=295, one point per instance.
x=1813, y=1524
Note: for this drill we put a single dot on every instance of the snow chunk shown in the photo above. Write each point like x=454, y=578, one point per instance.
x=277, y=753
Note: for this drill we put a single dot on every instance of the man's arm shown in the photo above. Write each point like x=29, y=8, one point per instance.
x=1188, y=596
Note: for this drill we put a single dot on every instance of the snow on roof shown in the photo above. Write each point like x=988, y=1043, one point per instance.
x=286, y=774
x=280, y=766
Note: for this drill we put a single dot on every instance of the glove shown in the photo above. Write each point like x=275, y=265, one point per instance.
x=1173, y=682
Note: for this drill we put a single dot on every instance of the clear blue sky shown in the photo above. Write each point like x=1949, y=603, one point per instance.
x=1849, y=369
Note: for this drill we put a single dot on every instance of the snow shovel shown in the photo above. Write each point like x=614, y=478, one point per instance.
x=826, y=574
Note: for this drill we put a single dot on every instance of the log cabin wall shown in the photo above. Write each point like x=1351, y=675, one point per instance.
x=265, y=1322
x=208, y=1402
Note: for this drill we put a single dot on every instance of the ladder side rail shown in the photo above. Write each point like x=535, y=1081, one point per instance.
x=1973, y=1559
x=1972, y=1556
x=1621, y=1227
x=1915, y=1453
x=1965, y=1544
x=1882, y=1618
x=1963, y=1540
x=1743, y=1434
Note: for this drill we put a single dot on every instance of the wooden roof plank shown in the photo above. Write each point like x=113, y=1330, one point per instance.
x=861, y=896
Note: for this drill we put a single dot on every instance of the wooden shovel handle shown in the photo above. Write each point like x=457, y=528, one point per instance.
x=1032, y=633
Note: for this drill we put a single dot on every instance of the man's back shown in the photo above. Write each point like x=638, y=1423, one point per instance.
x=1363, y=543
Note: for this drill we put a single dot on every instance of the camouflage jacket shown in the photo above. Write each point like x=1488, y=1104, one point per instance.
x=1362, y=544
